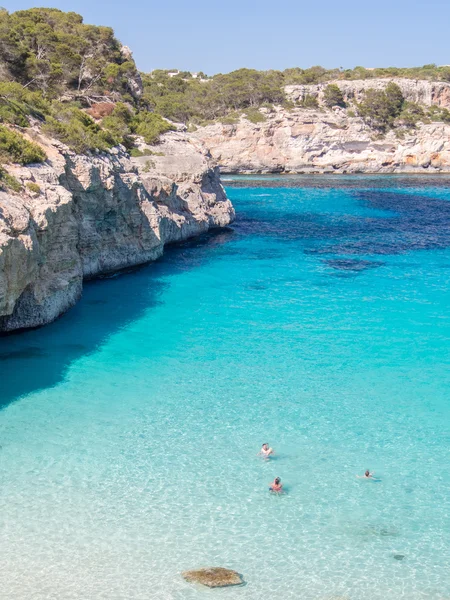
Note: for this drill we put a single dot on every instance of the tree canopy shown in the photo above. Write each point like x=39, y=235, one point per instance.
x=183, y=99
x=53, y=51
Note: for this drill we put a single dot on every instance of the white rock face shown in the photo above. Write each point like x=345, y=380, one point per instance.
x=96, y=215
x=331, y=141
x=414, y=90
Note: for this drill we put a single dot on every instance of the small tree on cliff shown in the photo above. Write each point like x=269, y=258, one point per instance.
x=309, y=101
x=380, y=108
x=332, y=96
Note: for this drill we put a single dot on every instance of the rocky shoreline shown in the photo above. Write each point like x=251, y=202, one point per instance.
x=81, y=217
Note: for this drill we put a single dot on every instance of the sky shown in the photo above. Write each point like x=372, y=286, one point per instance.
x=218, y=37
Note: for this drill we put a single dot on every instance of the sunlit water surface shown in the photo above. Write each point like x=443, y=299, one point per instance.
x=320, y=323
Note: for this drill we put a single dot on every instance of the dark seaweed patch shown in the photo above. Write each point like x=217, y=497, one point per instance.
x=351, y=264
x=408, y=222
x=259, y=287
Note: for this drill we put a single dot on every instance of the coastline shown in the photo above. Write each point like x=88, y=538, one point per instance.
x=95, y=215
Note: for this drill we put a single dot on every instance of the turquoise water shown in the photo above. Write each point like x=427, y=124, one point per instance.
x=318, y=322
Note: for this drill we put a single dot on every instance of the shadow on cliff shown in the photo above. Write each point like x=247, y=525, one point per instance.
x=39, y=359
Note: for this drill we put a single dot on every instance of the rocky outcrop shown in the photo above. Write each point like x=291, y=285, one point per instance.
x=332, y=141
x=213, y=577
x=134, y=81
x=98, y=214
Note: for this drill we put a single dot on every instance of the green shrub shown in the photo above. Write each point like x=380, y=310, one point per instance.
x=307, y=76
x=379, y=109
x=136, y=153
x=395, y=97
x=118, y=125
x=319, y=74
x=309, y=102
x=150, y=126
x=33, y=187
x=288, y=105
x=149, y=164
x=254, y=116
x=411, y=114
x=8, y=182
x=332, y=96
x=231, y=118
x=438, y=113
x=75, y=128
x=17, y=104
x=228, y=120
x=15, y=148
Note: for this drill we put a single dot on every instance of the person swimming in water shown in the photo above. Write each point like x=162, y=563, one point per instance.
x=367, y=475
x=265, y=451
x=276, y=486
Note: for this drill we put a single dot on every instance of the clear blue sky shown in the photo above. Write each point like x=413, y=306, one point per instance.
x=214, y=36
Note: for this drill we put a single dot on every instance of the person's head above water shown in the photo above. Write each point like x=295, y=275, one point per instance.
x=277, y=481
x=367, y=473
x=265, y=446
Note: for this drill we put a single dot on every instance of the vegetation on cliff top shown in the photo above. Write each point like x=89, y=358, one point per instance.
x=318, y=74
x=184, y=99
x=53, y=67
x=54, y=52
x=179, y=96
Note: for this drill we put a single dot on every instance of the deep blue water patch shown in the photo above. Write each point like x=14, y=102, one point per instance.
x=390, y=223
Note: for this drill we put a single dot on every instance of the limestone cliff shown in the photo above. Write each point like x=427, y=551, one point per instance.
x=97, y=214
x=414, y=90
x=332, y=141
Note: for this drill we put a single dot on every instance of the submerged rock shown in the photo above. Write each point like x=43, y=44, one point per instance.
x=213, y=577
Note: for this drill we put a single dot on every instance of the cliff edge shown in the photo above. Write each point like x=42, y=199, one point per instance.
x=83, y=216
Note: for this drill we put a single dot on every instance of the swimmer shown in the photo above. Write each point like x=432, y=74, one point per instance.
x=367, y=475
x=276, y=486
x=265, y=451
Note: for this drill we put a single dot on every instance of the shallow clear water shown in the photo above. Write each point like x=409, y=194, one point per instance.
x=319, y=322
